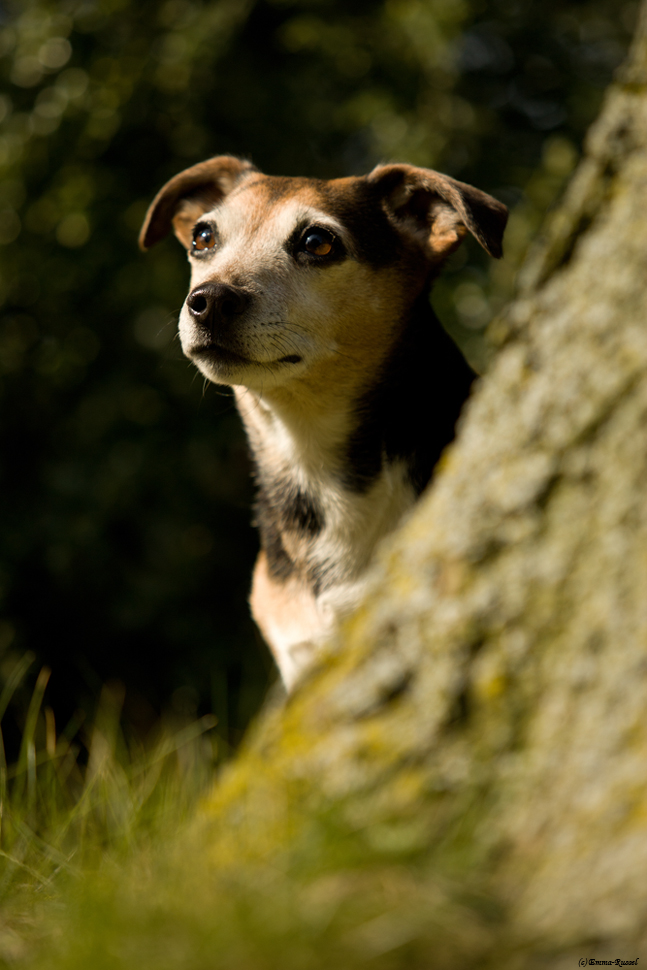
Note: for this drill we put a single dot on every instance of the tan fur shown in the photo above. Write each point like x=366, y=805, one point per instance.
x=287, y=611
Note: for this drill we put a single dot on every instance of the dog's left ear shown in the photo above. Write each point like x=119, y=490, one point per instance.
x=438, y=211
x=181, y=202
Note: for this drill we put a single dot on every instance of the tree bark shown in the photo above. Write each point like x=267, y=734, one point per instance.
x=466, y=770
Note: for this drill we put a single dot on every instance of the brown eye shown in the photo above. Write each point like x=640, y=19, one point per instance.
x=204, y=239
x=318, y=242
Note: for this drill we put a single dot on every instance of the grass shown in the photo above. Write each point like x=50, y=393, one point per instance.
x=83, y=802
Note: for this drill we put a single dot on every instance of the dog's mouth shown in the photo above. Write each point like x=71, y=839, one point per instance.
x=218, y=355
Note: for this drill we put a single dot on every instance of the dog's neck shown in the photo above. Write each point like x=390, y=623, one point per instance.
x=337, y=466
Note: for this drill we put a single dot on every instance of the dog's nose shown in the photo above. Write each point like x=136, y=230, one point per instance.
x=214, y=303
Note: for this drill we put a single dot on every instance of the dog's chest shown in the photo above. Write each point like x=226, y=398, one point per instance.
x=327, y=528
x=318, y=532
x=307, y=579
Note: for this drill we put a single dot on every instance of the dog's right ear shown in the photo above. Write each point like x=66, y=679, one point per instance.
x=183, y=199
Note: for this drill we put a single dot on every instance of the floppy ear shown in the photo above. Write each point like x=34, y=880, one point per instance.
x=438, y=211
x=182, y=201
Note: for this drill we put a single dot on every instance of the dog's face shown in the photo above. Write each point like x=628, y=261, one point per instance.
x=292, y=277
x=280, y=286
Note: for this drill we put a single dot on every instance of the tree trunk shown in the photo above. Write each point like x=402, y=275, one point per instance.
x=485, y=711
x=462, y=782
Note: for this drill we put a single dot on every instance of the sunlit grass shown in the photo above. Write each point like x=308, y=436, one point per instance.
x=76, y=803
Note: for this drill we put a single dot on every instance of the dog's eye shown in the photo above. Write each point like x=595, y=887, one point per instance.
x=203, y=238
x=318, y=242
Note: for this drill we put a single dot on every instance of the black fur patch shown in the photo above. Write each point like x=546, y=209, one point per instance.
x=359, y=208
x=279, y=564
x=320, y=575
x=300, y=511
x=410, y=411
x=280, y=506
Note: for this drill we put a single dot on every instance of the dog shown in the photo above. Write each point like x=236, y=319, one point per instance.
x=310, y=298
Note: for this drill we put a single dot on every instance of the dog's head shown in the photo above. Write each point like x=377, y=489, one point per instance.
x=291, y=275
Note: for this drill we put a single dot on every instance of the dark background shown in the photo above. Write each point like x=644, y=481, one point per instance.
x=125, y=545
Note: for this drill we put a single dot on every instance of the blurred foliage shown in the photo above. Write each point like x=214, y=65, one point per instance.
x=126, y=548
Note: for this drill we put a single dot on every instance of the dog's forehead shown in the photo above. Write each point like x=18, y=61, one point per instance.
x=273, y=205
x=272, y=192
x=269, y=208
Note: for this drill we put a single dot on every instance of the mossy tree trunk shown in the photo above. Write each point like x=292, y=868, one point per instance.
x=484, y=716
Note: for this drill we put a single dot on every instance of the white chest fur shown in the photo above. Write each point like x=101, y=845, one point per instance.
x=297, y=611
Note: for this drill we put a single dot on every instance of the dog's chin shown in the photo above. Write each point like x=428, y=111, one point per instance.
x=224, y=366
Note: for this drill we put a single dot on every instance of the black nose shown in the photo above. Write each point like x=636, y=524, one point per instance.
x=214, y=303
